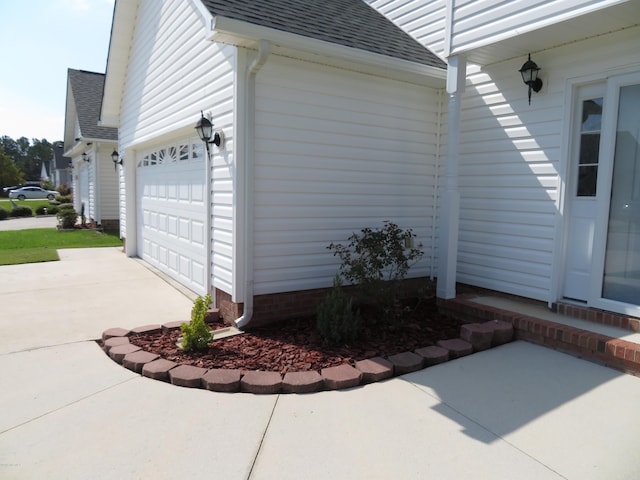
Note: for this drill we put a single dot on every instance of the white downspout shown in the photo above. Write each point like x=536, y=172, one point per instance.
x=249, y=161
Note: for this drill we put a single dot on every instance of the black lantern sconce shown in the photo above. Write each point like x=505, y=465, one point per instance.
x=115, y=156
x=85, y=157
x=204, y=127
x=529, y=72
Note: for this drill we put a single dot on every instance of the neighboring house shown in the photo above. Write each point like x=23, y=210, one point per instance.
x=549, y=192
x=44, y=171
x=89, y=146
x=62, y=172
x=332, y=118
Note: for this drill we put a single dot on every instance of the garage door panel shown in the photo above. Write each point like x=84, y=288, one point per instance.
x=173, y=228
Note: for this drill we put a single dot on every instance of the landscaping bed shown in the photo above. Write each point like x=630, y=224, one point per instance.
x=296, y=346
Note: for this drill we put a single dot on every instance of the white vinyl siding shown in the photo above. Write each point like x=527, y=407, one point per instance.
x=478, y=23
x=173, y=74
x=122, y=204
x=512, y=167
x=336, y=152
x=424, y=20
x=108, y=188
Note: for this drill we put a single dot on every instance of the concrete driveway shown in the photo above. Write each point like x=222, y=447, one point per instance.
x=68, y=412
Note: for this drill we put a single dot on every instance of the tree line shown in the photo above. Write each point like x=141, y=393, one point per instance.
x=21, y=159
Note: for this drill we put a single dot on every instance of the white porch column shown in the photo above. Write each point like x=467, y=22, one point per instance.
x=450, y=210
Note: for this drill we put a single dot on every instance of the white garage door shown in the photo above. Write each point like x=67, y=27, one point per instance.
x=171, y=211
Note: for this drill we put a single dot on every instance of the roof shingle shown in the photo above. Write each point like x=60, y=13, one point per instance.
x=87, y=89
x=351, y=23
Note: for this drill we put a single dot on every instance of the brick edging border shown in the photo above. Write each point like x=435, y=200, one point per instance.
x=473, y=337
x=611, y=352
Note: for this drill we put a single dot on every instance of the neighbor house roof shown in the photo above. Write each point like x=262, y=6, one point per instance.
x=350, y=23
x=87, y=88
x=61, y=162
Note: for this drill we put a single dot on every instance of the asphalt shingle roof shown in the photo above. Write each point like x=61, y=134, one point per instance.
x=61, y=162
x=351, y=23
x=87, y=89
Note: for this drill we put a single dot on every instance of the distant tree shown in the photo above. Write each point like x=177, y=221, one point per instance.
x=27, y=155
x=9, y=173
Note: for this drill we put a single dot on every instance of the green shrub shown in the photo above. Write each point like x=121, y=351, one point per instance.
x=67, y=218
x=3, y=213
x=196, y=334
x=21, y=212
x=65, y=206
x=65, y=199
x=64, y=190
x=52, y=209
x=42, y=210
x=336, y=320
x=376, y=261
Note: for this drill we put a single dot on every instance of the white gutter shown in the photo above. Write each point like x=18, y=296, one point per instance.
x=249, y=161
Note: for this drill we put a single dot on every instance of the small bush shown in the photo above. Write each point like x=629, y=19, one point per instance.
x=67, y=218
x=64, y=190
x=3, y=213
x=42, y=210
x=196, y=334
x=376, y=261
x=65, y=199
x=22, y=212
x=65, y=206
x=336, y=320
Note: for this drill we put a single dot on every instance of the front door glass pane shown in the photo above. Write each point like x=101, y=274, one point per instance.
x=622, y=256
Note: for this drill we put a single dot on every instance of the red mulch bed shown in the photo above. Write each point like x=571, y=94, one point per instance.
x=295, y=345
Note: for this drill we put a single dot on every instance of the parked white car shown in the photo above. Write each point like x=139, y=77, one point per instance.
x=30, y=193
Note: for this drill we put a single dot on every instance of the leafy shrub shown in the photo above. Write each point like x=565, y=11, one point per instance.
x=65, y=199
x=67, y=218
x=376, y=261
x=21, y=212
x=65, y=206
x=196, y=334
x=336, y=320
x=3, y=213
x=42, y=210
x=52, y=209
x=64, y=190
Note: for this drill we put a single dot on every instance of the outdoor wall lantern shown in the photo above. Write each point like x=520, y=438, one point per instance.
x=529, y=72
x=115, y=156
x=86, y=157
x=204, y=127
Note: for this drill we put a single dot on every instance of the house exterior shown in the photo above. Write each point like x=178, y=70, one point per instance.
x=62, y=171
x=89, y=146
x=332, y=120
x=542, y=198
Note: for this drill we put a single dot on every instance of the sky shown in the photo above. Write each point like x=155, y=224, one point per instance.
x=39, y=41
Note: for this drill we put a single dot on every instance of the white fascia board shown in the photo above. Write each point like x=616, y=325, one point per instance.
x=243, y=34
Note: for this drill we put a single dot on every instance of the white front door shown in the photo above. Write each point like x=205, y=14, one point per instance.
x=602, y=249
x=621, y=275
x=583, y=193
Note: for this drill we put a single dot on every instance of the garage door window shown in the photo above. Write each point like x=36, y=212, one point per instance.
x=168, y=154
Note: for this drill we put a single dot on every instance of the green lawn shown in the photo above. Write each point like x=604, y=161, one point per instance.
x=32, y=204
x=41, y=244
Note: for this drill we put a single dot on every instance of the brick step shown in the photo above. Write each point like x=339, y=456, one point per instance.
x=618, y=353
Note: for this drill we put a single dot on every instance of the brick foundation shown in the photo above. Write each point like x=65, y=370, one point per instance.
x=289, y=305
x=111, y=224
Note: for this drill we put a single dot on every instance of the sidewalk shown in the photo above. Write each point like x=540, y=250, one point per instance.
x=519, y=411
x=22, y=223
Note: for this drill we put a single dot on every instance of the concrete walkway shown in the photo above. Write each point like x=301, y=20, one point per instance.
x=68, y=412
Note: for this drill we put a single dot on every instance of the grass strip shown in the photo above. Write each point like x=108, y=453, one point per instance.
x=41, y=244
